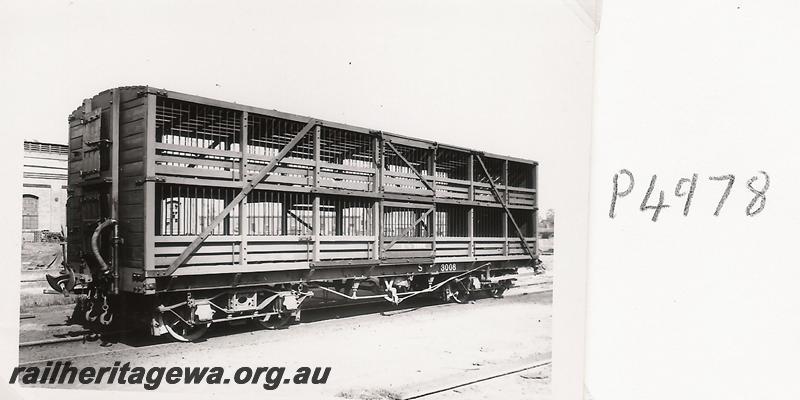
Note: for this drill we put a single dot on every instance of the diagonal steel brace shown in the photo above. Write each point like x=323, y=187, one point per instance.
x=298, y=219
x=505, y=207
x=256, y=179
x=408, y=163
x=408, y=230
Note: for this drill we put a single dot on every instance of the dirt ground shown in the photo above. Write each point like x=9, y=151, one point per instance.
x=38, y=255
x=38, y=259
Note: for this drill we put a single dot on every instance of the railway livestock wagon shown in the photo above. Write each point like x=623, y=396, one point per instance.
x=184, y=211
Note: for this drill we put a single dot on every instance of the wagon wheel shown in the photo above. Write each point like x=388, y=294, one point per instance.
x=277, y=320
x=181, y=330
x=457, y=292
x=497, y=292
x=79, y=312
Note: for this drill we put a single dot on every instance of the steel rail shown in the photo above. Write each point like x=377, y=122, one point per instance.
x=78, y=336
x=429, y=392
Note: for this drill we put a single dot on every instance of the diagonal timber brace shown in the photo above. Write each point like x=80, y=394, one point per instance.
x=255, y=180
x=408, y=164
x=410, y=228
x=505, y=207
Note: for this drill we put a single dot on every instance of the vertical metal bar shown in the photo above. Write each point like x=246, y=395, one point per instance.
x=377, y=209
x=315, y=210
x=168, y=210
x=380, y=225
x=471, y=211
x=471, y=177
x=196, y=138
x=432, y=219
x=149, y=186
x=291, y=201
x=192, y=216
x=222, y=196
x=431, y=222
x=270, y=203
x=338, y=210
x=315, y=227
x=376, y=227
x=505, y=181
x=432, y=167
x=504, y=178
x=283, y=198
x=161, y=214
x=317, y=155
x=243, y=207
x=471, y=230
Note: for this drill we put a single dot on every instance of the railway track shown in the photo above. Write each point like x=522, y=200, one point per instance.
x=426, y=392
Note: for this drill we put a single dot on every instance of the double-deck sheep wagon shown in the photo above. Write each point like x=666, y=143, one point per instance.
x=185, y=211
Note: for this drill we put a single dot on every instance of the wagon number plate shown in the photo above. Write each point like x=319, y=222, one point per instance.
x=447, y=268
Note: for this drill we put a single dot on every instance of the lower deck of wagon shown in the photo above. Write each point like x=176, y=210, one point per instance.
x=280, y=232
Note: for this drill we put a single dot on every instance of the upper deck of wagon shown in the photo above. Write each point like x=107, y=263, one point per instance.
x=251, y=190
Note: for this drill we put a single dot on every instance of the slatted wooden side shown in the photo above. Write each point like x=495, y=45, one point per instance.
x=515, y=247
x=133, y=126
x=222, y=252
x=452, y=189
x=73, y=201
x=406, y=183
x=452, y=247
x=347, y=177
x=483, y=192
x=408, y=247
x=489, y=246
x=346, y=247
x=521, y=197
x=184, y=161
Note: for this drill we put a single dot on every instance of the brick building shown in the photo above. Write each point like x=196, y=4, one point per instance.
x=44, y=189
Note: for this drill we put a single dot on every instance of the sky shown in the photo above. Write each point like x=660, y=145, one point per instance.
x=513, y=79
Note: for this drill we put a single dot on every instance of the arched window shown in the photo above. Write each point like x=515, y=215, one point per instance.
x=30, y=211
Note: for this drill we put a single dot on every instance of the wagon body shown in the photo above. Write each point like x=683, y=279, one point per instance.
x=294, y=198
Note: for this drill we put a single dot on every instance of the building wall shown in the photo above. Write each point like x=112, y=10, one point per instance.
x=44, y=175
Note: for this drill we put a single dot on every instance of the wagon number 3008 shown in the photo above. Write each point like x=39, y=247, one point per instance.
x=447, y=268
